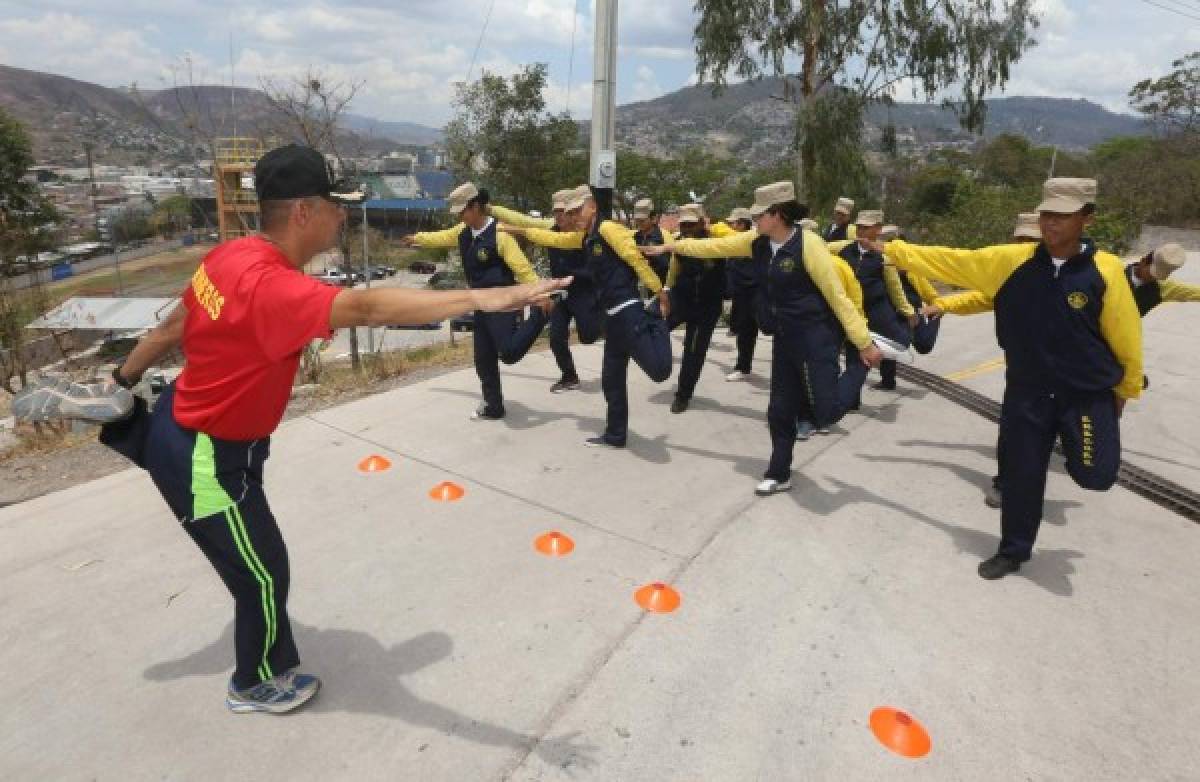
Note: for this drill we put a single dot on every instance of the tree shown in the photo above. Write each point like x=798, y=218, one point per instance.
x=26, y=220
x=308, y=109
x=503, y=139
x=672, y=181
x=1173, y=101
x=868, y=48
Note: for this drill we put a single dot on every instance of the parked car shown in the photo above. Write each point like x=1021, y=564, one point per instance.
x=422, y=267
x=378, y=273
x=389, y=270
x=464, y=322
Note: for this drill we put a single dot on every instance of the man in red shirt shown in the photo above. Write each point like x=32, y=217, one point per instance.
x=242, y=325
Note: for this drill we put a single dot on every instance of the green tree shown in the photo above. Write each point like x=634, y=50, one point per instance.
x=672, y=181
x=1173, y=101
x=866, y=48
x=503, y=139
x=26, y=222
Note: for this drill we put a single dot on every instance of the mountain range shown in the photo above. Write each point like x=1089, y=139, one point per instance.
x=129, y=125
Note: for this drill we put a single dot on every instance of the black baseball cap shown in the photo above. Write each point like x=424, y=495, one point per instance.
x=295, y=171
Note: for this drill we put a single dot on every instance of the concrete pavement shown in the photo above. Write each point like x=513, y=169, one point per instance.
x=451, y=651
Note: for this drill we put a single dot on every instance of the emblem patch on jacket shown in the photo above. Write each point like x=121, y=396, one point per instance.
x=787, y=265
x=1078, y=300
x=482, y=255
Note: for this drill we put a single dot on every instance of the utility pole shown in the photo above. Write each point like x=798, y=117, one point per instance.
x=367, y=274
x=112, y=229
x=603, y=168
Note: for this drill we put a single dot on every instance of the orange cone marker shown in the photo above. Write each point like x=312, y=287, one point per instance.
x=657, y=598
x=447, y=492
x=900, y=733
x=554, y=544
x=374, y=463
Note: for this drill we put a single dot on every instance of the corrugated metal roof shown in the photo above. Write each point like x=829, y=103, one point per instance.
x=108, y=314
x=406, y=203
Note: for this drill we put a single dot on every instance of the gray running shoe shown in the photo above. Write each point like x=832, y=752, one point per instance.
x=279, y=695
x=59, y=398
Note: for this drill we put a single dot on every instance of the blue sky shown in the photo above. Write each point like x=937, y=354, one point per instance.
x=410, y=52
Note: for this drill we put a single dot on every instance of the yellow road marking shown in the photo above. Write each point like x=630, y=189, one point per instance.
x=975, y=371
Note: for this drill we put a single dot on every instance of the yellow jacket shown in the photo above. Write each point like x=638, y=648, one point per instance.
x=891, y=280
x=817, y=262
x=850, y=283
x=519, y=219
x=1178, y=291
x=924, y=288
x=510, y=251
x=965, y=303
x=617, y=236
x=988, y=269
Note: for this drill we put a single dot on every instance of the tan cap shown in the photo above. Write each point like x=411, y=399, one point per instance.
x=808, y=224
x=845, y=206
x=578, y=198
x=643, y=209
x=560, y=198
x=1027, y=226
x=1167, y=260
x=889, y=232
x=1067, y=196
x=869, y=217
x=691, y=213
x=456, y=202
x=770, y=195
x=739, y=213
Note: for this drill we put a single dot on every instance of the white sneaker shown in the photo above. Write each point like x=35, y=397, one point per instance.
x=823, y=430
x=893, y=350
x=771, y=486
x=737, y=376
x=59, y=398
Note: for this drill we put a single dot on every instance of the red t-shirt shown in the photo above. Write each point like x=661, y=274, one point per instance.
x=249, y=316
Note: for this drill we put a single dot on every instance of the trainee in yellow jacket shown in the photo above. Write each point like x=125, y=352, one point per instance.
x=817, y=262
x=891, y=280
x=510, y=251
x=988, y=269
x=617, y=236
x=715, y=231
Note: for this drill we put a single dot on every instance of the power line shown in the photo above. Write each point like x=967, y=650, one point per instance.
x=479, y=43
x=1172, y=10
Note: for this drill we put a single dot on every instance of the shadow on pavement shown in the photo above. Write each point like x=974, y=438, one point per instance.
x=360, y=675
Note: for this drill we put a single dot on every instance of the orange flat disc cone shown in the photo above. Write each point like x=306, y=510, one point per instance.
x=447, y=492
x=554, y=544
x=900, y=733
x=657, y=597
x=374, y=463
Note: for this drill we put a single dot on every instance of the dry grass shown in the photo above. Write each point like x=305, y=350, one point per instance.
x=45, y=440
x=338, y=379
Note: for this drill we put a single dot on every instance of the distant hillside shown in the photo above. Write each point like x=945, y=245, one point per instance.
x=140, y=126
x=749, y=120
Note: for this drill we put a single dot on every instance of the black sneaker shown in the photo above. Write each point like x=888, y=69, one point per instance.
x=602, y=442
x=998, y=566
x=883, y=385
x=992, y=497
x=566, y=384
x=679, y=405
x=485, y=413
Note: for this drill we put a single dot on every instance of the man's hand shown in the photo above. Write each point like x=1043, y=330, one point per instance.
x=664, y=303
x=913, y=320
x=932, y=311
x=408, y=241
x=546, y=305
x=871, y=356
x=514, y=297
x=655, y=250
